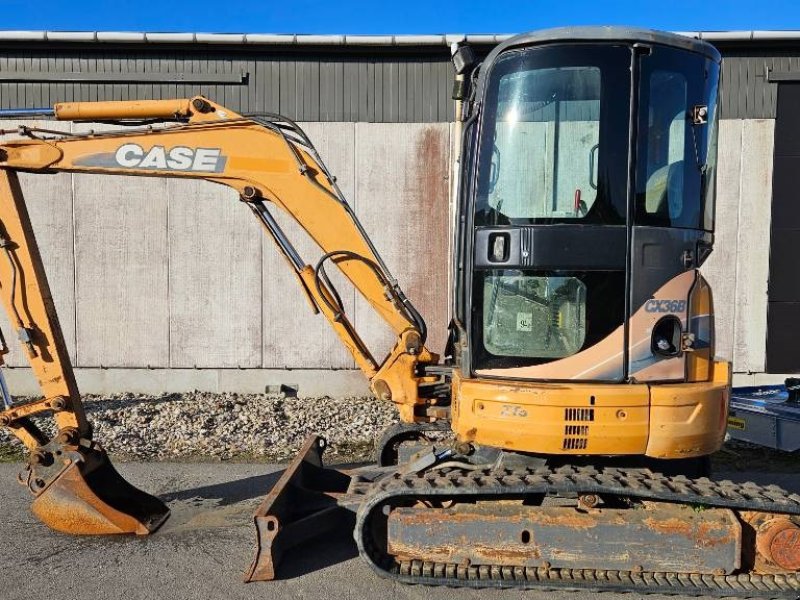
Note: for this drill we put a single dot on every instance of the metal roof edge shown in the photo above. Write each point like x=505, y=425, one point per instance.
x=23, y=36
x=338, y=39
x=776, y=35
x=726, y=36
x=119, y=36
x=169, y=38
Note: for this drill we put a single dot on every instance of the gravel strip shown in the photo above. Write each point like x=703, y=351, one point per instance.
x=228, y=426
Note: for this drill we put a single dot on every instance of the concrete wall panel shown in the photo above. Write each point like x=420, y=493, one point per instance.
x=752, y=265
x=402, y=188
x=49, y=202
x=293, y=336
x=307, y=382
x=214, y=278
x=121, y=271
x=720, y=268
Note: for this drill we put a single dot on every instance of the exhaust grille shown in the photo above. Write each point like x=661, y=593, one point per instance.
x=579, y=414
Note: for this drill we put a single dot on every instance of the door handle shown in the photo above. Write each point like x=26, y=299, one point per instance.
x=592, y=160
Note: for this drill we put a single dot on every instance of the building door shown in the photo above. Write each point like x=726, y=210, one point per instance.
x=783, y=312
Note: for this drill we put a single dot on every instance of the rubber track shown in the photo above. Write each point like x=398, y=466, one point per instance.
x=569, y=481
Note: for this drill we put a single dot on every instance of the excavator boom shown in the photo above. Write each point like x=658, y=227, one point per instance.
x=268, y=161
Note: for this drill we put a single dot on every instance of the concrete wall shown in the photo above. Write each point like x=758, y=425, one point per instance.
x=166, y=285
x=738, y=269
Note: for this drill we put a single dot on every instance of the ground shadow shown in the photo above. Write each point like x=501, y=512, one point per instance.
x=332, y=548
x=741, y=462
x=229, y=492
x=335, y=547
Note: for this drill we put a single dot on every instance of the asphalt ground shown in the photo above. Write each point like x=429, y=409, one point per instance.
x=202, y=551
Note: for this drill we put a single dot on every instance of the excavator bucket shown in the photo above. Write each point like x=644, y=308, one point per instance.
x=302, y=506
x=88, y=497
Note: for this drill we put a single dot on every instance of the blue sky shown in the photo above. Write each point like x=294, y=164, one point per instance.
x=393, y=16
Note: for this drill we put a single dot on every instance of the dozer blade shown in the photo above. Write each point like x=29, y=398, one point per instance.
x=302, y=506
x=89, y=497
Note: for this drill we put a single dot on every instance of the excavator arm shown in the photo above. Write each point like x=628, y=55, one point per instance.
x=268, y=160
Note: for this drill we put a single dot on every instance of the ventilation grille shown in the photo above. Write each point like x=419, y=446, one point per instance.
x=579, y=414
x=576, y=437
x=575, y=443
x=579, y=430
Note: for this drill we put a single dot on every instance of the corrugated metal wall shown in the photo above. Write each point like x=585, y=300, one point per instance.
x=746, y=91
x=320, y=86
x=384, y=85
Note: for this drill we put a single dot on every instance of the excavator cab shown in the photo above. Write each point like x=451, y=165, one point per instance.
x=587, y=206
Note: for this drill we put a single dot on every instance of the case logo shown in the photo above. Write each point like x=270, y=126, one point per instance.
x=179, y=158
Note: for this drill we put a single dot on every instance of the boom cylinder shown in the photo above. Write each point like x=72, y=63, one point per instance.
x=143, y=109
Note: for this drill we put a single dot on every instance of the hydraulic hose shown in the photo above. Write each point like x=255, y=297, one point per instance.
x=410, y=312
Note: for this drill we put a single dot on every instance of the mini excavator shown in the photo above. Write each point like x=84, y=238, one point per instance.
x=562, y=439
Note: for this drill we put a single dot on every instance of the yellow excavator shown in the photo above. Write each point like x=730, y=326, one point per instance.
x=562, y=439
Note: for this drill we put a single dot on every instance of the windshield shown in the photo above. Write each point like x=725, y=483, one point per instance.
x=555, y=143
x=543, y=162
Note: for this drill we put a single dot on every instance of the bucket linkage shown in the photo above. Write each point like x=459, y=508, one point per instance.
x=78, y=491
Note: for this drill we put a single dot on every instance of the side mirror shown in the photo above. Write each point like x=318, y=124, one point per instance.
x=463, y=58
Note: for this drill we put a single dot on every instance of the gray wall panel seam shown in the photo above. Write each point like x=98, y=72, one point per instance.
x=74, y=261
x=169, y=199
x=736, y=255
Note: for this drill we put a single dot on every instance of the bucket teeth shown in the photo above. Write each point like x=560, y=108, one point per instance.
x=87, y=496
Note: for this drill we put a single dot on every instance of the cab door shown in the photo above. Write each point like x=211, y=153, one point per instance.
x=673, y=212
x=550, y=233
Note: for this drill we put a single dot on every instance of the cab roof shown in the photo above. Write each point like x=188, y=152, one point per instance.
x=597, y=34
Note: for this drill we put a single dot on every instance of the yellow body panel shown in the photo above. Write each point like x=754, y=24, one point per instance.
x=552, y=418
x=658, y=420
x=689, y=419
